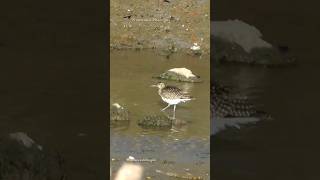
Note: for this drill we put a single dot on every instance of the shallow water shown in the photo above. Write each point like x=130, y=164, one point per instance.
x=283, y=147
x=131, y=75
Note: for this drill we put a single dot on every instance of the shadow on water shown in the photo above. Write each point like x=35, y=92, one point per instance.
x=184, y=151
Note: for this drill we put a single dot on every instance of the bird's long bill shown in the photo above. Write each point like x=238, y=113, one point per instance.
x=153, y=85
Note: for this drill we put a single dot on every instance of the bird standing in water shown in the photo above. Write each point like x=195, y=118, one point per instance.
x=172, y=95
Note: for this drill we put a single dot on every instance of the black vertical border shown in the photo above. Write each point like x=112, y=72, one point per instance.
x=28, y=51
x=211, y=80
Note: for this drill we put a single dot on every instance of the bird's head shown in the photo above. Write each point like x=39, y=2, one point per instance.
x=159, y=85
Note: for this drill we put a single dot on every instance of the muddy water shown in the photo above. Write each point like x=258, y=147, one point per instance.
x=283, y=148
x=187, y=148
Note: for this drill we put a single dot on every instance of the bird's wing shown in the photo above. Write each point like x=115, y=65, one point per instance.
x=173, y=88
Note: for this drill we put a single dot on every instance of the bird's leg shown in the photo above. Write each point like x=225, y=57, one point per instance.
x=166, y=107
x=174, y=111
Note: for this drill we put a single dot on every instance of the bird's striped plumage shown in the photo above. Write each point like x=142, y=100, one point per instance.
x=228, y=110
x=171, y=92
x=224, y=104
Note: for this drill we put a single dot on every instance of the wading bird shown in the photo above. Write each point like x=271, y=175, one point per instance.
x=171, y=95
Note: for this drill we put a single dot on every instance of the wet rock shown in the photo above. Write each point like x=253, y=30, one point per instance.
x=24, y=139
x=155, y=121
x=196, y=49
x=238, y=42
x=239, y=32
x=179, y=74
x=22, y=159
x=118, y=113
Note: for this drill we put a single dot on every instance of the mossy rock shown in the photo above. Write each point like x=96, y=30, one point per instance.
x=155, y=121
x=173, y=76
x=118, y=114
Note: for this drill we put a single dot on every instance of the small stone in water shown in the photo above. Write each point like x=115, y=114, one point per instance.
x=130, y=158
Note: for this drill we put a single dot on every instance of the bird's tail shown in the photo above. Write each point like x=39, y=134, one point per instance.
x=187, y=97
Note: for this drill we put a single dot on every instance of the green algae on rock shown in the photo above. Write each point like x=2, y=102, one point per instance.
x=155, y=121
